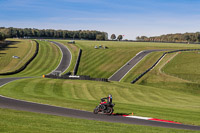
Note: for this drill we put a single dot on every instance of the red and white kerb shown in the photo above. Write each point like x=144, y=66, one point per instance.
x=151, y=119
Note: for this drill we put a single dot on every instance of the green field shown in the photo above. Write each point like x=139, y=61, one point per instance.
x=185, y=65
x=46, y=61
x=102, y=63
x=174, y=73
x=142, y=101
x=26, y=122
x=170, y=91
x=15, y=47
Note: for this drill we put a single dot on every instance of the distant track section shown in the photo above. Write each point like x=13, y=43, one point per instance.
x=118, y=75
x=66, y=58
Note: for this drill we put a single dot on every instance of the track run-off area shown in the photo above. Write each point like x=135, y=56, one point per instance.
x=10, y=103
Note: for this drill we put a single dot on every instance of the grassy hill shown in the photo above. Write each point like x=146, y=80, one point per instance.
x=181, y=106
x=46, y=61
x=185, y=65
x=24, y=49
x=170, y=91
x=102, y=63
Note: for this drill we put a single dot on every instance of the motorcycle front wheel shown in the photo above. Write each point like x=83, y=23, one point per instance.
x=95, y=111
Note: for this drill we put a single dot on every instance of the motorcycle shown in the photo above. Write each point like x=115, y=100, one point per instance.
x=104, y=108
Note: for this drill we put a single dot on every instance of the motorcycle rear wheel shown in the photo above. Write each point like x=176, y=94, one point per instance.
x=110, y=111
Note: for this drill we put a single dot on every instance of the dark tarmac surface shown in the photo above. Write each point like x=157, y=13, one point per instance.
x=66, y=58
x=10, y=103
x=118, y=75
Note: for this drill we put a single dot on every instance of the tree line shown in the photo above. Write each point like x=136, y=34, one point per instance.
x=2, y=37
x=178, y=37
x=51, y=33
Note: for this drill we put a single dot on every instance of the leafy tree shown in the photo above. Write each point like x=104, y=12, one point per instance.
x=113, y=37
x=100, y=37
x=120, y=37
x=187, y=38
x=2, y=37
x=138, y=38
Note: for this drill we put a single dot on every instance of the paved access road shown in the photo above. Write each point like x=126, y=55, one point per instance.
x=118, y=75
x=11, y=103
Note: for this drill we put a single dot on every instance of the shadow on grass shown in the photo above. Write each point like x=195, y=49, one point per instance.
x=7, y=44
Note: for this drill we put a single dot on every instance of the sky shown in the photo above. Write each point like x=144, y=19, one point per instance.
x=130, y=18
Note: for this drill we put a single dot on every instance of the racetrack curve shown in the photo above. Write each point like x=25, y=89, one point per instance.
x=10, y=103
x=119, y=74
x=66, y=57
x=15, y=104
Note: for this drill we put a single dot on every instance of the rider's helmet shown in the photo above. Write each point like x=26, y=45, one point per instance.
x=102, y=100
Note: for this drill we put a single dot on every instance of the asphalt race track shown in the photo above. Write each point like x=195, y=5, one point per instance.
x=59, y=111
x=66, y=57
x=118, y=75
x=21, y=105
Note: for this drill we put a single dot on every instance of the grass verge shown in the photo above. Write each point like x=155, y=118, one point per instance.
x=26, y=122
x=185, y=65
x=181, y=106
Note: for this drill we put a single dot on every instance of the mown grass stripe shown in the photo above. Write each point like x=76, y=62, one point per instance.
x=128, y=98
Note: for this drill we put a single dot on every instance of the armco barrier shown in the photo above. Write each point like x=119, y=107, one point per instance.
x=26, y=64
x=77, y=62
x=141, y=75
x=75, y=77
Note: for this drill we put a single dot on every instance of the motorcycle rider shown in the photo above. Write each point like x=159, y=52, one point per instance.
x=105, y=107
x=109, y=100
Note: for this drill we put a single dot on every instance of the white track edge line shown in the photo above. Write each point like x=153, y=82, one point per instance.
x=34, y=102
x=133, y=67
x=125, y=64
x=9, y=82
x=61, y=57
x=70, y=58
x=159, y=61
x=139, y=117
